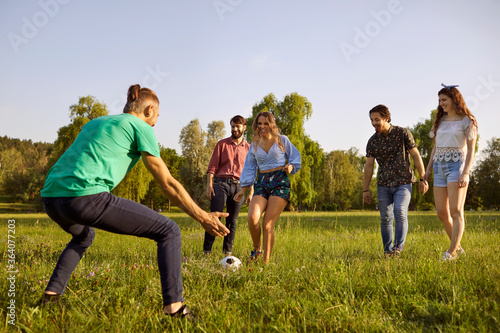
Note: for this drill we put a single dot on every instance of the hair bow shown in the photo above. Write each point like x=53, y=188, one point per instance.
x=449, y=87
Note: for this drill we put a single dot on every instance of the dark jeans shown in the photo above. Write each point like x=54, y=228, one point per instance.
x=80, y=215
x=224, y=194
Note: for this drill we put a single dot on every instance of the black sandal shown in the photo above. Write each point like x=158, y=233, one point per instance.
x=50, y=299
x=184, y=312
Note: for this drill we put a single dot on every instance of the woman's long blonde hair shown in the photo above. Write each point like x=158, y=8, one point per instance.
x=275, y=132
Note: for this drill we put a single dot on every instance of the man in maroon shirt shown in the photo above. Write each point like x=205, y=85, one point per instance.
x=223, y=181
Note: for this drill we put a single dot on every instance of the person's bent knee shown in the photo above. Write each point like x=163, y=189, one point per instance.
x=169, y=231
x=253, y=219
x=86, y=238
x=174, y=231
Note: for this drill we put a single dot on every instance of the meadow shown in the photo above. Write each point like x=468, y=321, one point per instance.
x=327, y=273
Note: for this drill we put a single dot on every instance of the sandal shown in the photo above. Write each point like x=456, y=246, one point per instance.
x=50, y=299
x=184, y=312
x=447, y=256
x=255, y=254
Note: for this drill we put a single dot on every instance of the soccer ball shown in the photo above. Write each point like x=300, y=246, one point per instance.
x=230, y=262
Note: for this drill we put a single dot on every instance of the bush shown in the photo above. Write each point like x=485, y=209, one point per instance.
x=329, y=207
x=427, y=206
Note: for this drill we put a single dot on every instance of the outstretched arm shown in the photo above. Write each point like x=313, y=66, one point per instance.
x=179, y=196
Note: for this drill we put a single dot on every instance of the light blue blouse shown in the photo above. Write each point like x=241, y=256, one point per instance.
x=259, y=159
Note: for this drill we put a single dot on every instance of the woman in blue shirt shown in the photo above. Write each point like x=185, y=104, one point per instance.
x=273, y=156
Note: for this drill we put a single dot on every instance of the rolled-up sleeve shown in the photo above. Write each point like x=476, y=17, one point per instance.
x=293, y=154
x=213, y=165
x=249, y=172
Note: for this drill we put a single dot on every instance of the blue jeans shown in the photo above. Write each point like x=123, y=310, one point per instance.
x=393, y=204
x=79, y=216
x=224, y=194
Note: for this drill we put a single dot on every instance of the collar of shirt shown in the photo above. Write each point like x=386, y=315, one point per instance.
x=231, y=141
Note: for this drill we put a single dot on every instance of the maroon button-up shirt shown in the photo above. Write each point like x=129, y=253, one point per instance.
x=228, y=158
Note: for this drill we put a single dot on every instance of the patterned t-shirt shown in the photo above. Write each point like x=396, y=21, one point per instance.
x=392, y=155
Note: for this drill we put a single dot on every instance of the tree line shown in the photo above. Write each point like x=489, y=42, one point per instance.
x=327, y=180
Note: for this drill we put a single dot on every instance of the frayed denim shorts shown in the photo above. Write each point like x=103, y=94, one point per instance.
x=447, y=172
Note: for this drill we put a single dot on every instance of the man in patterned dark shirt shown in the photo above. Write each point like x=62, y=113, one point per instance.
x=392, y=147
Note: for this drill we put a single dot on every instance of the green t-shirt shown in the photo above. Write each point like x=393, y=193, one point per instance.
x=106, y=149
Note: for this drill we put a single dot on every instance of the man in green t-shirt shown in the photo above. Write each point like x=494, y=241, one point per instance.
x=76, y=195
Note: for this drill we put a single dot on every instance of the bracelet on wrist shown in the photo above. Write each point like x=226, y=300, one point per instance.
x=366, y=191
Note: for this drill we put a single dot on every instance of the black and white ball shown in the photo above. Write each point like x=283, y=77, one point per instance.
x=230, y=262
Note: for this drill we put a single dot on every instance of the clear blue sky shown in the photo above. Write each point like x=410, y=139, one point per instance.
x=212, y=59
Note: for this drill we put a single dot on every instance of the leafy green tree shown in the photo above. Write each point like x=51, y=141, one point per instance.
x=85, y=110
x=342, y=180
x=316, y=159
x=358, y=162
x=12, y=172
x=291, y=115
x=425, y=145
x=473, y=199
x=154, y=197
x=487, y=175
x=23, y=165
x=197, y=147
x=215, y=132
x=135, y=184
x=192, y=141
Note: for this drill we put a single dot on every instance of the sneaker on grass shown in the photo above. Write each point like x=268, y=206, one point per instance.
x=447, y=256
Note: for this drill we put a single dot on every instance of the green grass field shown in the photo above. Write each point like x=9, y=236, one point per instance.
x=327, y=274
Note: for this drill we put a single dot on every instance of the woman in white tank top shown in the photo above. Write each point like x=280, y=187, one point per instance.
x=454, y=132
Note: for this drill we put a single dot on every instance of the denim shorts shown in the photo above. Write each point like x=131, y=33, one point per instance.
x=447, y=172
x=274, y=183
